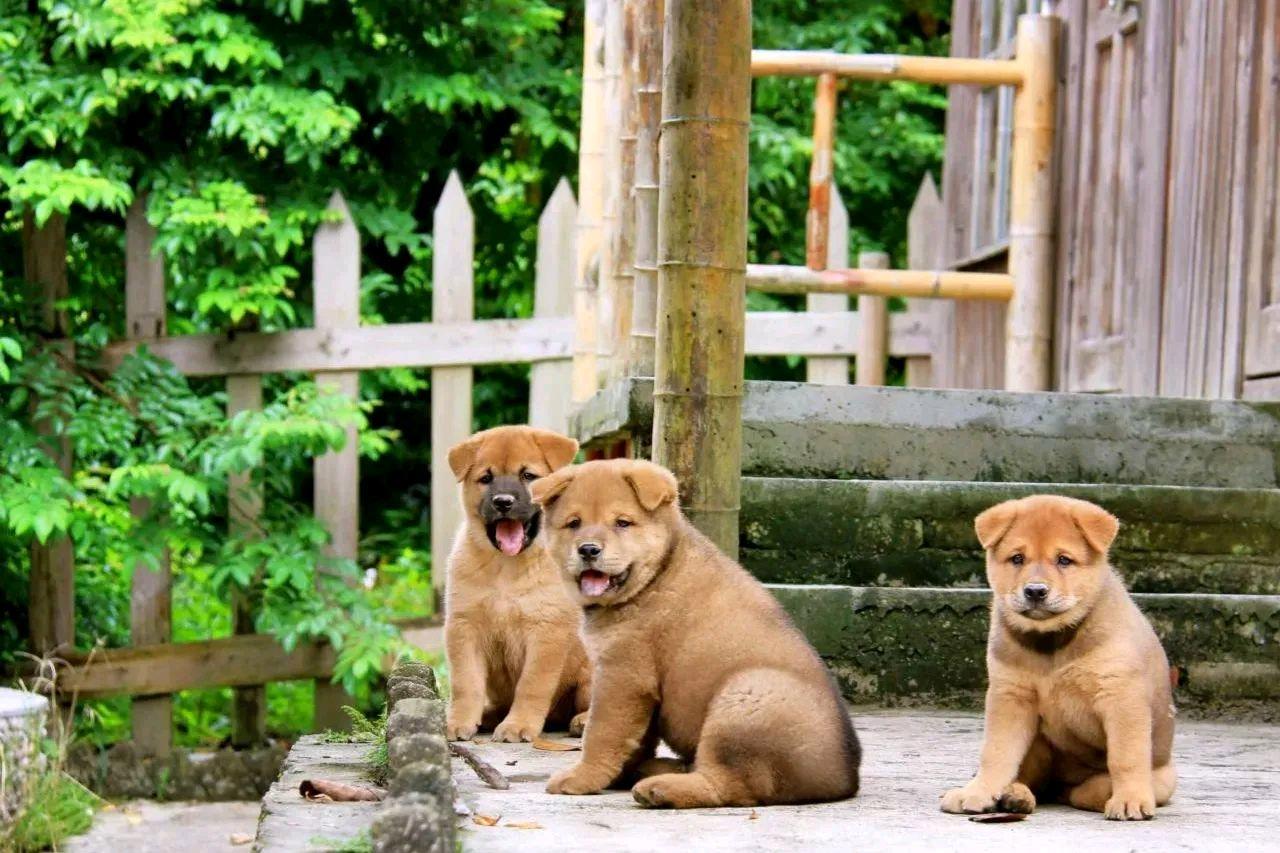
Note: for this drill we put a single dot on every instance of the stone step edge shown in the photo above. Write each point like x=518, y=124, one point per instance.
x=931, y=642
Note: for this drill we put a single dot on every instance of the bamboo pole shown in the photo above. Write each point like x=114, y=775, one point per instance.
x=1029, y=330
x=590, y=203
x=623, y=253
x=873, y=326
x=867, y=66
x=648, y=103
x=926, y=284
x=702, y=253
x=818, y=224
x=606, y=304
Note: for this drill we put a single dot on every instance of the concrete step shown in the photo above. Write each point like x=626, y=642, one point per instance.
x=797, y=429
x=920, y=533
x=927, y=646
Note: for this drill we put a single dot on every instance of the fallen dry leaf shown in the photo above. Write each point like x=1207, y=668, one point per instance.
x=753, y=815
x=523, y=824
x=998, y=817
x=548, y=745
x=511, y=763
x=239, y=838
x=485, y=820
x=133, y=817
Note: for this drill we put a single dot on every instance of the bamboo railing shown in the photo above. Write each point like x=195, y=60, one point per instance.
x=697, y=311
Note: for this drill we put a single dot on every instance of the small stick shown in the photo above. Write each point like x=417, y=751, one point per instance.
x=339, y=792
x=488, y=774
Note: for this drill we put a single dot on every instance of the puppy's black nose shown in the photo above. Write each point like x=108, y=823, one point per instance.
x=1036, y=592
x=502, y=503
x=589, y=550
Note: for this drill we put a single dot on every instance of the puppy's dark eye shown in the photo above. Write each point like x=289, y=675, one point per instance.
x=1064, y=560
x=622, y=522
x=573, y=523
x=528, y=476
x=1017, y=559
x=486, y=478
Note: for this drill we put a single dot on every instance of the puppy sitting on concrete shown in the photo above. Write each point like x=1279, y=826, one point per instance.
x=690, y=649
x=1079, y=705
x=511, y=629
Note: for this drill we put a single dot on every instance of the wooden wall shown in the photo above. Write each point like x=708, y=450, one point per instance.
x=1168, y=263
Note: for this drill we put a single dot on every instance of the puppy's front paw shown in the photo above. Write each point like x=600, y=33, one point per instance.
x=1017, y=798
x=1130, y=805
x=575, y=780
x=969, y=800
x=512, y=730
x=456, y=729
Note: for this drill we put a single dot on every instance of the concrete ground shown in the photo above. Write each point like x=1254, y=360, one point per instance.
x=1228, y=799
x=145, y=826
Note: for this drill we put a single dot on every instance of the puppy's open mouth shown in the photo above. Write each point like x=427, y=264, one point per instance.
x=511, y=535
x=593, y=583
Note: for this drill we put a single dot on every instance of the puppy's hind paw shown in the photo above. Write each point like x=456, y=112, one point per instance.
x=968, y=800
x=578, y=725
x=1017, y=798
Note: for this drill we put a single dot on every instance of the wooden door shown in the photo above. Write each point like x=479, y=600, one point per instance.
x=1105, y=220
x=1262, y=237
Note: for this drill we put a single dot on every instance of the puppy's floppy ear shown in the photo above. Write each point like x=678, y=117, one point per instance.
x=1098, y=526
x=462, y=456
x=992, y=524
x=546, y=490
x=653, y=484
x=557, y=449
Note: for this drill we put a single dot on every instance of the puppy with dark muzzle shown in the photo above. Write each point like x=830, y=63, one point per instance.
x=1079, y=706
x=516, y=662
x=690, y=649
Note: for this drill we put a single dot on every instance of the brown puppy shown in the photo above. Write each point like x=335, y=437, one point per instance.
x=1079, y=704
x=511, y=629
x=688, y=648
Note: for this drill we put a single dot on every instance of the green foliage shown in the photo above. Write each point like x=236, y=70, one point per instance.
x=59, y=807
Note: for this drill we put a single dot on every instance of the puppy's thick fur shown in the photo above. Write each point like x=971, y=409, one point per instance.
x=688, y=648
x=1079, y=706
x=511, y=628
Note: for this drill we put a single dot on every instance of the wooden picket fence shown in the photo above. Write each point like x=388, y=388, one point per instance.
x=335, y=350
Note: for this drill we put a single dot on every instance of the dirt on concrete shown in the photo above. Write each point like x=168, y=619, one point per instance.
x=143, y=826
x=1227, y=797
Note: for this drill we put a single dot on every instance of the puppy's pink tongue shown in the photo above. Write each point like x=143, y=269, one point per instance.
x=510, y=536
x=593, y=583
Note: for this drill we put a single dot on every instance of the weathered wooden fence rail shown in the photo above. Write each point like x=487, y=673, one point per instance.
x=335, y=350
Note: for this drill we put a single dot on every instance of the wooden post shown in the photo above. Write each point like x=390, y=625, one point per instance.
x=1029, y=335
x=873, y=326
x=925, y=229
x=648, y=107
x=51, y=607
x=336, y=299
x=832, y=370
x=150, y=598
x=452, y=298
x=702, y=255
x=606, y=300
x=550, y=381
x=624, y=255
x=244, y=499
x=590, y=203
